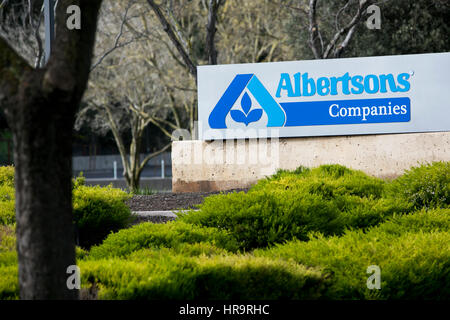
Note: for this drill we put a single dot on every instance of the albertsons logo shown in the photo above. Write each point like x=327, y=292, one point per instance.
x=308, y=113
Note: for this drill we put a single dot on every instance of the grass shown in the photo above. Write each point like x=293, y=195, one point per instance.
x=146, y=191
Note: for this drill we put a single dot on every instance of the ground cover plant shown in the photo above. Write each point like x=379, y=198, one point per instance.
x=328, y=199
x=302, y=234
x=424, y=186
x=97, y=211
x=413, y=253
x=7, y=196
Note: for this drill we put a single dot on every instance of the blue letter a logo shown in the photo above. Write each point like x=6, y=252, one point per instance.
x=275, y=114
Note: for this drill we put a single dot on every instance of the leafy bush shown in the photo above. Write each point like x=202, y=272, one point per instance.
x=289, y=205
x=328, y=181
x=219, y=277
x=170, y=235
x=437, y=220
x=350, y=221
x=9, y=284
x=7, y=176
x=263, y=218
x=363, y=213
x=79, y=181
x=413, y=253
x=7, y=238
x=425, y=186
x=185, y=249
x=7, y=196
x=7, y=204
x=99, y=211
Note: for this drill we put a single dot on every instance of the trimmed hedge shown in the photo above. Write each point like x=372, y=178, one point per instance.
x=413, y=253
x=7, y=196
x=7, y=238
x=328, y=181
x=264, y=218
x=219, y=277
x=437, y=220
x=99, y=211
x=7, y=176
x=169, y=235
x=7, y=205
x=336, y=222
x=425, y=186
x=185, y=249
x=9, y=284
x=289, y=205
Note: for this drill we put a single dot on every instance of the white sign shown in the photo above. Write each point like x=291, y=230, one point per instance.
x=390, y=94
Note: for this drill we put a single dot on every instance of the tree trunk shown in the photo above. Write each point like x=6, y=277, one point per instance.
x=133, y=183
x=40, y=106
x=45, y=232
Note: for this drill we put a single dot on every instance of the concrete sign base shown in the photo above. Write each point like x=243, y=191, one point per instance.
x=221, y=165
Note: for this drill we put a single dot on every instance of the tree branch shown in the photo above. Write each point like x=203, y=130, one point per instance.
x=173, y=38
x=66, y=70
x=152, y=155
x=348, y=31
x=118, y=138
x=211, y=51
x=116, y=44
x=314, y=29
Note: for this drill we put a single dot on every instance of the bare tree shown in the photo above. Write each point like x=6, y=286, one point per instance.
x=181, y=42
x=125, y=97
x=21, y=25
x=176, y=36
x=343, y=33
x=144, y=72
x=124, y=92
x=40, y=106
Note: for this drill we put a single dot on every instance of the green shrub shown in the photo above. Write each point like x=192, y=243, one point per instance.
x=9, y=284
x=8, y=258
x=7, y=176
x=7, y=204
x=363, y=213
x=263, y=218
x=328, y=199
x=219, y=277
x=81, y=253
x=184, y=249
x=437, y=220
x=7, y=238
x=8, y=255
x=79, y=181
x=413, y=253
x=170, y=235
x=7, y=196
x=425, y=186
x=99, y=211
x=328, y=181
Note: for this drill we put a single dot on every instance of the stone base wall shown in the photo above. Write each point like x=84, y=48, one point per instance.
x=222, y=165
